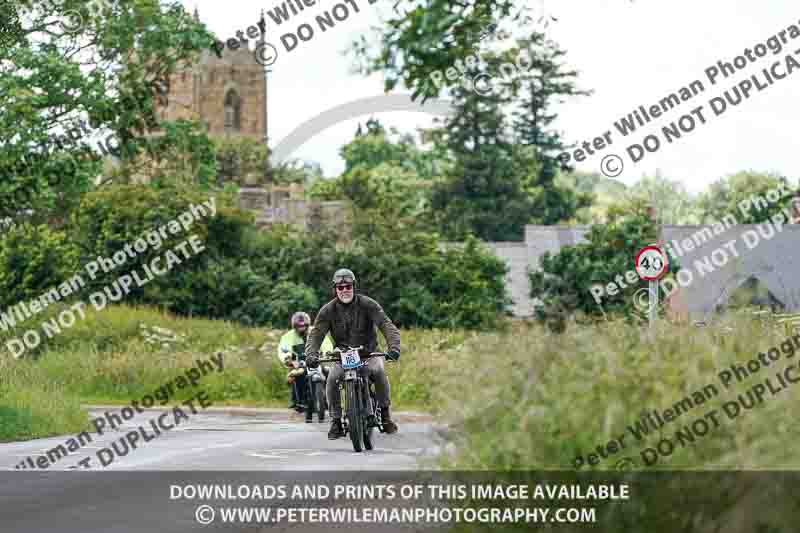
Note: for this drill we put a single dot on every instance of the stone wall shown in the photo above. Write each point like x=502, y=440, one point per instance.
x=515, y=255
x=300, y=213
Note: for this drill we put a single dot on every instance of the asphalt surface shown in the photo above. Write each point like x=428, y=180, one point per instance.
x=135, y=491
x=238, y=439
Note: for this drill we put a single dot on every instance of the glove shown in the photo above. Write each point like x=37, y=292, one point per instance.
x=393, y=355
x=312, y=361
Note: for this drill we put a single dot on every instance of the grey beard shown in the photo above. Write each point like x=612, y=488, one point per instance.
x=348, y=301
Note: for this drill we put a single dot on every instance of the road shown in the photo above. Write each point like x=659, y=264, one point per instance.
x=225, y=446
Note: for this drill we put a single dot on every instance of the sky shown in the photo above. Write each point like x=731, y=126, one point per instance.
x=629, y=53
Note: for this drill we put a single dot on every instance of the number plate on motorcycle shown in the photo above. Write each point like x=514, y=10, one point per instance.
x=350, y=374
x=350, y=359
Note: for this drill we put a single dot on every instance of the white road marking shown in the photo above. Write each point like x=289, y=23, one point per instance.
x=267, y=456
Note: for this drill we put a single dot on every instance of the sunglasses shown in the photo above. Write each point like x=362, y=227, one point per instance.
x=344, y=287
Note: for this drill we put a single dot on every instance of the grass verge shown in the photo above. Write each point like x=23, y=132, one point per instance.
x=122, y=353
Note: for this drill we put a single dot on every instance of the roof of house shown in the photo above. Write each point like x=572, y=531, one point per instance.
x=775, y=262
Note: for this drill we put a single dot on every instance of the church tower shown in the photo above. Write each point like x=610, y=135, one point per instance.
x=228, y=94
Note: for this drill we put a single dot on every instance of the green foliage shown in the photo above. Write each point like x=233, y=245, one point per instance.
x=282, y=300
x=50, y=78
x=241, y=157
x=261, y=277
x=563, y=284
x=183, y=155
x=724, y=196
x=417, y=280
x=673, y=203
x=534, y=91
x=296, y=171
x=483, y=193
x=391, y=178
x=504, y=171
x=110, y=219
x=576, y=392
x=33, y=258
x=423, y=37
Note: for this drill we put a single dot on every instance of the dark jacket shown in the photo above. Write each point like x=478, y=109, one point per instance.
x=352, y=325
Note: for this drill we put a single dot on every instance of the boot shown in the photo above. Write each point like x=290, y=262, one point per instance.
x=389, y=426
x=336, y=431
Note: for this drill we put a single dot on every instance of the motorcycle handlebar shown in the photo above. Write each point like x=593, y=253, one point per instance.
x=325, y=359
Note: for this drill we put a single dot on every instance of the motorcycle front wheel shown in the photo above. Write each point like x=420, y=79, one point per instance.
x=354, y=419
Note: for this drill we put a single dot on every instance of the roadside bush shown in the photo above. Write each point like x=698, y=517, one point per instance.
x=32, y=260
x=282, y=300
x=257, y=277
x=417, y=282
x=563, y=284
x=112, y=218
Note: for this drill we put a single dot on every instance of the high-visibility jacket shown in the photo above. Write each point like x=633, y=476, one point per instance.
x=291, y=342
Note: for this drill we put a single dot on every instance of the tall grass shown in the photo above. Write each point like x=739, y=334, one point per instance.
x=537, y=400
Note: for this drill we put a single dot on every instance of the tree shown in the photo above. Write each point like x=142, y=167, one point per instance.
x=428, y=36
x=241, y=159
x=725, y=196
x=484, y=192
x=673, y=203
x=535, y=90
x=602, y=191
x=183, y=155
x=106, y=74
x=385, y=179
x=565, y=279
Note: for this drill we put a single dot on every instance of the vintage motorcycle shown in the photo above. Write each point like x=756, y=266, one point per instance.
x=362, y=415
x=312, y=397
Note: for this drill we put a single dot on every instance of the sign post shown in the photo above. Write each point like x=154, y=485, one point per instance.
x=651, y=265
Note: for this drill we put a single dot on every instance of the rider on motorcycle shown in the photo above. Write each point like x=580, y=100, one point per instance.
x=293, y=342
x=352, y=318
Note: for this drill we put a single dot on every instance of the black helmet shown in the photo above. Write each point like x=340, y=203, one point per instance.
x=300, y=318
x=344, y=275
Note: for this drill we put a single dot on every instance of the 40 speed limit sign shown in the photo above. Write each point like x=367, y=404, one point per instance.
x=651, y=263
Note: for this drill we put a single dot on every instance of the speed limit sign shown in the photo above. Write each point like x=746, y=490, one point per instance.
x=651, y=263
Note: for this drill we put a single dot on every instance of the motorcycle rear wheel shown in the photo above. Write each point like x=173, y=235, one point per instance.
x=368, y=429
x=320, y=394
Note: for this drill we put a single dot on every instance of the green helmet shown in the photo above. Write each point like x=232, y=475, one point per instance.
x=344, y=275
